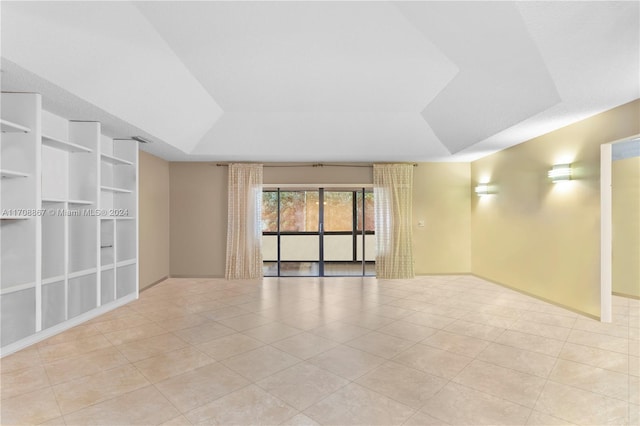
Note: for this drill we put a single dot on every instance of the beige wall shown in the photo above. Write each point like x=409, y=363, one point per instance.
x=442, y=200
x=199, y=209
x=626, y=226
x=544, y=238
x=154, y=219
x=198, y=219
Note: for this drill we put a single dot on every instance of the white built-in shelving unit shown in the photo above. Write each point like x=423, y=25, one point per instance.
x=69, y=224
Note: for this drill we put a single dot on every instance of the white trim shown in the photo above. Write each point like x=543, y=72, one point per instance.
x=606, y=234
x=82, y=273
x=606, y=228
x=59, y=328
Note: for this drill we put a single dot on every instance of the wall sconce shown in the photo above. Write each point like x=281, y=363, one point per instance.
x=482, y=189
x=560, y=173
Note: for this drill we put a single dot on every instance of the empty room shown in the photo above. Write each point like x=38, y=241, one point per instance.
x=320, y=213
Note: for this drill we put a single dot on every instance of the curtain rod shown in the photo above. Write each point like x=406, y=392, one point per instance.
x=317, y=165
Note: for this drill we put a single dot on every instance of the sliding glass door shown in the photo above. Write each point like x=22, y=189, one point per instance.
x=318, y=232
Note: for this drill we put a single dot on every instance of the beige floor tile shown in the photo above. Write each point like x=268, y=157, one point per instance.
x=403, y=384
x=428, y=320
x=84, y=365
x=260, y=363
x=595, y=326
x=78, y=332
x=380, y=344
x=518, y=359
x=230, y=345
x=615, y=361
x=340, y=331
x=58, y=421
x=389, y=311
x=634, y=365
x=347, y=362
x=176, y=421
x=479, y=408
x=305, y=345
x=302, y=385
x=245, y=322
x=146, y=348
x=272, y=332
x=634, y=390
x=368, y=320
x=538, y=329
x=539, y=344
x=224, y=313
x=143, y=331
x=408, y=331
x=25, y=380
x=433, y=361
x=300, y=420
x=167, y=313
x=488, y=319
x=169, y=364
x=182, y=322
x=30, y=408
x=85, y=391
x=463, y=345
x=200, y=386
x=540, y=419
x=445, y=311
x=549, y=319
x=501, y=382
x=203, y=333
x=122, y=322
x=581, y=407
x=204, y=306
x=24, y=358
x=601, y=341
x=634, y=414
x=356, y=405
x=248, y=406
x=146, y=406
x=424, y=419
x=52, y=353
x=474, y=329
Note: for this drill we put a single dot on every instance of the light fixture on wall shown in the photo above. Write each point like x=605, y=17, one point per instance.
x=482, y=189
x=560, y=172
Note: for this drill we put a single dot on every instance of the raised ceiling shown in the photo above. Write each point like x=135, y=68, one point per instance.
x=325, y=81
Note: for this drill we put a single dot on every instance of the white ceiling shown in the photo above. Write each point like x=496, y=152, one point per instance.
x=325, y=81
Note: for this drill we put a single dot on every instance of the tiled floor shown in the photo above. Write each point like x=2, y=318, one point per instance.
x=305, y=351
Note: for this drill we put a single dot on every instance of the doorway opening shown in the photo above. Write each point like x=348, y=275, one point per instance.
x=318, y=232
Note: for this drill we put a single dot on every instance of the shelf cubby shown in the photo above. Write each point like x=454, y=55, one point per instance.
x=82, y=295
x=54, y=301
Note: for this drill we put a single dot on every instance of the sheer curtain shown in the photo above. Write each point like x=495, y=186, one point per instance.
x=393, y=188
x=244, y=230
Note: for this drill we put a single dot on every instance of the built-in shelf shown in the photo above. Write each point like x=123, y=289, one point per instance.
x=126, y=262
x=108, y=267
x=63, y=145
x=51, y=280
x=13, y=217
x=11, y=127
x=115, y=160
x=82, y=273
x=8, y=174
x=112, y=189
x=18, y=287
x=61, y=200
